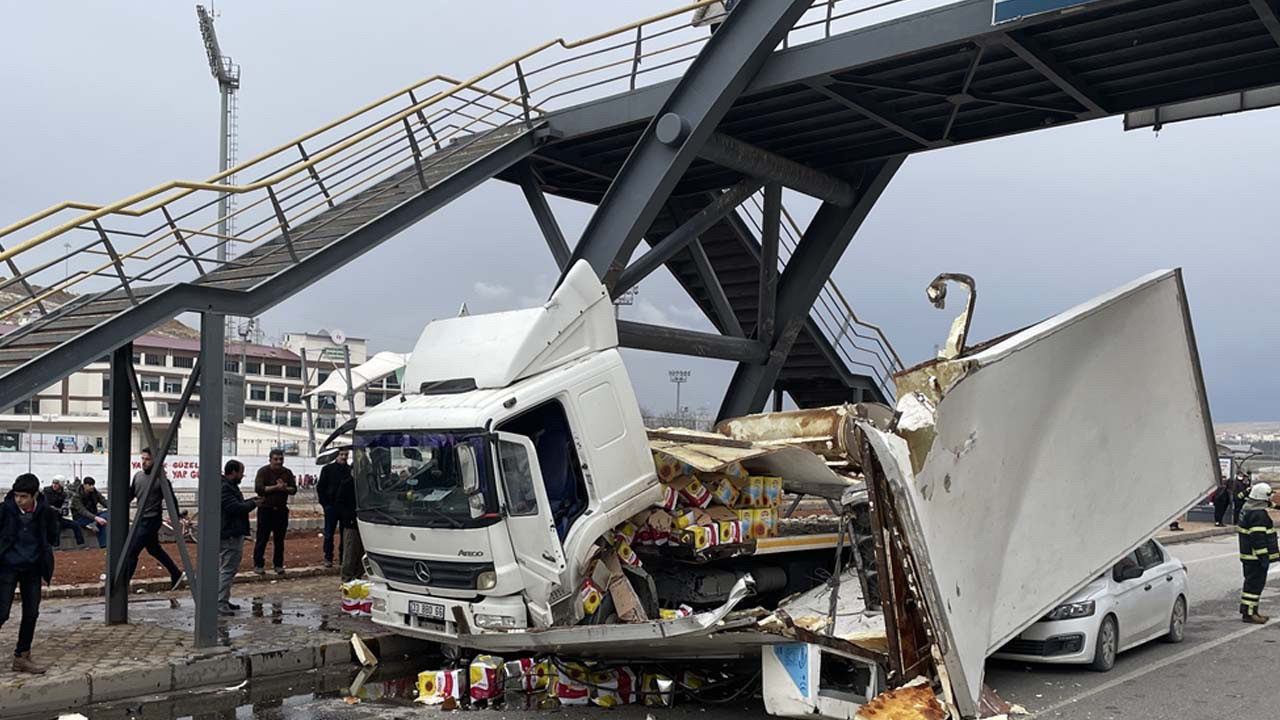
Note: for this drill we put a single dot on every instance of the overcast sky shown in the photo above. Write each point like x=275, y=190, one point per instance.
x=101, y=100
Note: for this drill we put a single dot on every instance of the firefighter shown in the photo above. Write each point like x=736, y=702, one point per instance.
x=1257, y=550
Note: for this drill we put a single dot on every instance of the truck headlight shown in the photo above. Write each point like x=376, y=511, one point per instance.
x=495, y=622
x=487, y=580
x=379, y=606
x=1071, y=610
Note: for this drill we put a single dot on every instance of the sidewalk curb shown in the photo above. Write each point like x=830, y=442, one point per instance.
x=162, y=585
x=1193, y=535
x=202, y=669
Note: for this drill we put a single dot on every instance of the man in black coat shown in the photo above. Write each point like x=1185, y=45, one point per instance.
x=352, y=547
x=27, y=528
x=331, y=478
x=235, y=527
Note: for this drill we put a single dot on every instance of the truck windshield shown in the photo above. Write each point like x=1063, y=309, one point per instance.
x=423, y=479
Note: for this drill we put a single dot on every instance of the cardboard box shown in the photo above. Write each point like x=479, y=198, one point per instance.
x=750, y=491
x=700, y=537
x=692, y=492
x=656, y=530
x=659, y=690
x=731, y=532
x=772, y=491
x=436, y=686
x=569, y=685
x=680, y=612
x=526, y=675
x=589, y=597
x=625, y=601
x=627, y=555
x=485, y=676
x=761, y=522
x=611, y=688
x=670, y=499
x=724, y=491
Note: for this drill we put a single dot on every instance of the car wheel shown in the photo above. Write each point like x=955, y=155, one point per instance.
x=1104, y=652
x=1177, y=621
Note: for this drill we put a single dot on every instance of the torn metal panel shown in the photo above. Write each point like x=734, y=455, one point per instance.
x=801, y=470
x=1095, y=418
x=854, y=624
x=827, y=431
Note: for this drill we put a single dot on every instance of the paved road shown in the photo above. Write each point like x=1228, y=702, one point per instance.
x=1216, y=673
x=1213, y=674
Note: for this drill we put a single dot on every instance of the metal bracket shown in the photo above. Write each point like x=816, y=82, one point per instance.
x=177, y=234
x=315, y=176
x=417, y=154
x=115, y=260
x=284, y=223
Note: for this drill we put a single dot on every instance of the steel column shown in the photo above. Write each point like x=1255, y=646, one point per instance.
x=542, y=214
x=209, y=493
x=809, y=268
x=679, y=239
x=726, y=317
x=677, y=341
x=734, y=154
x=727, y=63
x=772, y=222
x=306, y=403
x=119, y=442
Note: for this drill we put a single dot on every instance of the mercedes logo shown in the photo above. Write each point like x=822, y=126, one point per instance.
x=422, y=571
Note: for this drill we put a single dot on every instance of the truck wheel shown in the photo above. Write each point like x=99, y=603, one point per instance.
x=1104, y=653
x=1177, y=621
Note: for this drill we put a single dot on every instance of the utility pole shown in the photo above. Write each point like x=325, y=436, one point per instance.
x=678, y=378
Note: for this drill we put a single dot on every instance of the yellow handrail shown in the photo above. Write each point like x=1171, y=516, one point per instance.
x=187, y=187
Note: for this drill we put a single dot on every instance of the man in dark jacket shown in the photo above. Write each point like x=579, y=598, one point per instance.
x=147, y=536
x=331, y=478
x=89, y=508
x=56, y=496
x=27, y=527
x=274, y=483
x=352, y=547
x=1258, y=550
x=235, y=527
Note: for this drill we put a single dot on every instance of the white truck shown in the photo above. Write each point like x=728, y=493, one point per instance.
x=518, y=445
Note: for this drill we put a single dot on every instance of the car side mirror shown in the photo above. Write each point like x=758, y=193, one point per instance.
x=1128, y=572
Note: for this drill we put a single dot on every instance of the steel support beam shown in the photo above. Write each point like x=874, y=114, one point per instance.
x=1266, y=10
x=119, y=442
x=771, y=227
x=542, y=214
x=810, y=266
x=881, y=114
x=734, y=154
x=679, y=239
x=726, y=318
x=209, y=492
x=1032, y=53
x=677, y=341
x=718, y=75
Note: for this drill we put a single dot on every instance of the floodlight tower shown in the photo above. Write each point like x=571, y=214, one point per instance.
x=227, y=73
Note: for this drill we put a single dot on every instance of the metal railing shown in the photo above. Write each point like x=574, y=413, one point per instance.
x=859, y=343
x=168, y=232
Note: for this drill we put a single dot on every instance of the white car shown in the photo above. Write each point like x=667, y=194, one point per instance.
x=1143, y=597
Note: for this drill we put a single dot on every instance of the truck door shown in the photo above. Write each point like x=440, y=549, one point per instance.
x=530, y=524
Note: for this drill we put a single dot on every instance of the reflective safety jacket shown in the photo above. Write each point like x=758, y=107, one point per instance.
x=1257, y=536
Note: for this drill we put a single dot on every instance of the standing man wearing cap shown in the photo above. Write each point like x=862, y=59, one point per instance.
x=1258, y=550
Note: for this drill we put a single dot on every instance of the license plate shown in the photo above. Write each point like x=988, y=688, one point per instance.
x=426, y=610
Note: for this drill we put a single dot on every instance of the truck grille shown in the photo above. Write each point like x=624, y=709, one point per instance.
x=452, y=575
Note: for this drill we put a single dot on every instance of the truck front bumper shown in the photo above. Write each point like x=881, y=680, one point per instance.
x=391, y=609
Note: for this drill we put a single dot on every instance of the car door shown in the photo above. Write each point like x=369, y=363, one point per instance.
x=1157, y=588
x=529, y=524
x=1128, y=596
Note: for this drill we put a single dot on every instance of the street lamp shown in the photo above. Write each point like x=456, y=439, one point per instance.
x=678, y=378
x=626, y=298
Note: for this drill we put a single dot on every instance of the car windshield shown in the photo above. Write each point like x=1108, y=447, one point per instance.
x=423, y=479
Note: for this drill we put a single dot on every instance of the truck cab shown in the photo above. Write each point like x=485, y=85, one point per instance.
x=517, y=444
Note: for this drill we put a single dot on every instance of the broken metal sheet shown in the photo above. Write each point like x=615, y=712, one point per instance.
x=854, y=622
x=801, y=470
x=910, y=702
x=827, y=431
x=1058, y=450
x=585, y=640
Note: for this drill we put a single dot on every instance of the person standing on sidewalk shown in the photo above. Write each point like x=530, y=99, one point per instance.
x=88, y=508
x=1258, y=550
x=235, y=527
x=352, y=546
x=147, y=536
x=274, y=483
x=27, y=526
x=331, y=478
x=56, y=496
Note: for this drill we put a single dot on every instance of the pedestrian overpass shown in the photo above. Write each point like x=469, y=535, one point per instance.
x=681, y=140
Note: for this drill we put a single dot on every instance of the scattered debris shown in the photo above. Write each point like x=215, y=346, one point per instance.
x=362, y=651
